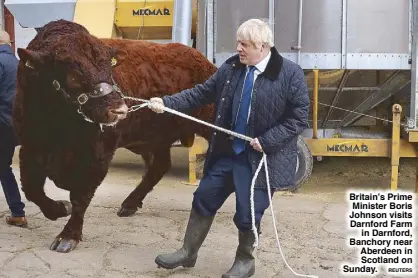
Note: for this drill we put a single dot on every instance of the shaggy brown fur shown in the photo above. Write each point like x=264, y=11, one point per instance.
x=57, y=143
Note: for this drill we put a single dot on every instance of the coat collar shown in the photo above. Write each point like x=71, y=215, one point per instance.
x=274, y=65
x=5, y=48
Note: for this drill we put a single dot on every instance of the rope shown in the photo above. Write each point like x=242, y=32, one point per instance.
x=263, y=161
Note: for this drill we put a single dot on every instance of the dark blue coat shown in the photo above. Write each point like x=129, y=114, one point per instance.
x=279, y=113
x=8, y=71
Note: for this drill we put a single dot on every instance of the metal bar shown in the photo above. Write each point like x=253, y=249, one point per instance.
x=210, y=30
x=2, y=15
x=344, y=35
x=412, y=122
x=315, y=105
x=215, y=28
x=394, y=84
x=347, y=132
x=410, y=15
x=299, y=46
x=182, y=22
x=271, y=16
x=336, y=97
x=346, y=89
x=300, y=29
x=396, y=110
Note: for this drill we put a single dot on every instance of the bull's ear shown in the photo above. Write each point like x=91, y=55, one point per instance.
x=119, y=55
x=32, y=59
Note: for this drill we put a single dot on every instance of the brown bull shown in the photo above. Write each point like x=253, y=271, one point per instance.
x=70, y=117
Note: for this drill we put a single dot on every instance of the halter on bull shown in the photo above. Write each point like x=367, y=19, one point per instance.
x=100, y=90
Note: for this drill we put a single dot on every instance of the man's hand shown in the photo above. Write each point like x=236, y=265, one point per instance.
x=256, y=145
x=156, y=105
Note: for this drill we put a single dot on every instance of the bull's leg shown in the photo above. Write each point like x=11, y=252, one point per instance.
x=71, y=235
x=33, y=181
x=158, y=164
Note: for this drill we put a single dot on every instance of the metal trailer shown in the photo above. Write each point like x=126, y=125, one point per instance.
x=361, y=55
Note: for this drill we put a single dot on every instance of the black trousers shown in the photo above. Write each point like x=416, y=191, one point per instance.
x=229, y=174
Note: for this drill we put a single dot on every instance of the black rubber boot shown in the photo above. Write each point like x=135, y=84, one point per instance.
x=196, y=232
x=244, y=264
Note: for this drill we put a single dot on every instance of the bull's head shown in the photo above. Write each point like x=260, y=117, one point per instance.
x=79, y=67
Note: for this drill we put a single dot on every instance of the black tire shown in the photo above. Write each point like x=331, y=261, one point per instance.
x=304, y=166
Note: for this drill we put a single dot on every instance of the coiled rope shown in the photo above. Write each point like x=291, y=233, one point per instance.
x=263, y=161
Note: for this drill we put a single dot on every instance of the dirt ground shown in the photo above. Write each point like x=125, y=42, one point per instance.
x=310, y=224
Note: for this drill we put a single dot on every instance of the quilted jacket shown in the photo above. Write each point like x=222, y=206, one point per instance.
x=279, y=113
x=8, y=69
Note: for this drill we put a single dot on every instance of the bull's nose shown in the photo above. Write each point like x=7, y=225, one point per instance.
x=121, y=111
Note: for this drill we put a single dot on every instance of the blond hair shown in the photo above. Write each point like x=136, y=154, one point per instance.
x=256, y=31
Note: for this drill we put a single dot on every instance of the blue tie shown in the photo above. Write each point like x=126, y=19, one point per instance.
x=238, y=144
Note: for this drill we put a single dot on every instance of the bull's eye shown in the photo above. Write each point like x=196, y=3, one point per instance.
x=73, y=81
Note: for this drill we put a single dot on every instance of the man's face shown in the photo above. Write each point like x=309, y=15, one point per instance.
x=249, y=54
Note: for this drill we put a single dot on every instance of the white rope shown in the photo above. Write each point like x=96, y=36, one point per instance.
x=263, y=161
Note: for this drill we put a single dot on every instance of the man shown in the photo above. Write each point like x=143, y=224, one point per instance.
x=8, y=71
x=263, y=95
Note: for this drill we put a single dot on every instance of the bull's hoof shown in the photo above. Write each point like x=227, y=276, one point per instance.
x=67, y=206
x=63, y=245
x=125, y=212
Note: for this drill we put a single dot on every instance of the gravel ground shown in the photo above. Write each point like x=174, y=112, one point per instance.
x=310, y=224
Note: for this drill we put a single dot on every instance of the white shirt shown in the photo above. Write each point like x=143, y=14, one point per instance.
x=259, y=68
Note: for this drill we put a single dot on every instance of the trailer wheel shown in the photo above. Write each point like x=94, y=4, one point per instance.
x=304, y=165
